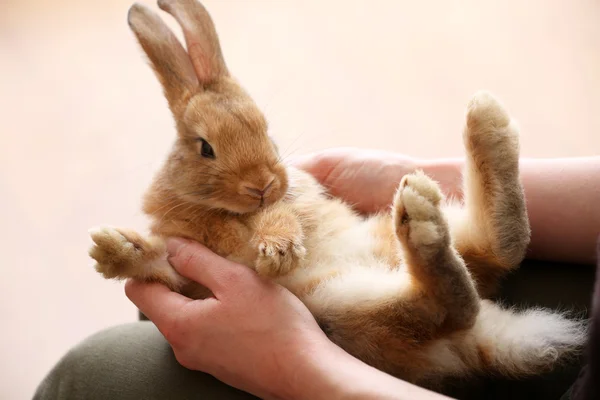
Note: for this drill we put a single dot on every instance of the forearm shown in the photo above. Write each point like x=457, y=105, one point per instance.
x=334, y=374
x=563, y=203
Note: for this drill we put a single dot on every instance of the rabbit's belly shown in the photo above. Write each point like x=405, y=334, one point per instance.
x=342, y=247
x=344, y=257
x=347, y=287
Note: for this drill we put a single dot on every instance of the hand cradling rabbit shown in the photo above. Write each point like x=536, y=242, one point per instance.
x=405, y=291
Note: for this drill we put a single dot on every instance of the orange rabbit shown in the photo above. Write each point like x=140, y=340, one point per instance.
x=404, y=291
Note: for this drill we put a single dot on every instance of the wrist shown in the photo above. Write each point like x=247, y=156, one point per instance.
x=329, y=373
x=310, y=373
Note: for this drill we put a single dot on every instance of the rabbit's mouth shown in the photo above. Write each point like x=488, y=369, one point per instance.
x=239, y=204
x=264, y=201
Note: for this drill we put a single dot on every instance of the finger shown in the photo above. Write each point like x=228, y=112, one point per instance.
x=155, y=301
x=198, y=263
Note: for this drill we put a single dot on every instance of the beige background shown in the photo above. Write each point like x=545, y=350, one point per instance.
x=84, y=125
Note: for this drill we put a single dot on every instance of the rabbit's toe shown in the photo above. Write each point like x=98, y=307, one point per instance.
x=417, y=216
x=489, y=128
x=278, y=257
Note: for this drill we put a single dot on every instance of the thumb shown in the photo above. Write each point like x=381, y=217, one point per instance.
x=196, y=262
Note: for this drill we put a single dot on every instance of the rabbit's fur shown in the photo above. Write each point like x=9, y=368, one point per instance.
x=402, y=290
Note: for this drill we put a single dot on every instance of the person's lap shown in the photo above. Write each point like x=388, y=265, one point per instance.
x=131, y=361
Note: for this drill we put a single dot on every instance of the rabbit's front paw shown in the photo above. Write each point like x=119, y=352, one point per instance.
x=278, y=256
x=121, y=253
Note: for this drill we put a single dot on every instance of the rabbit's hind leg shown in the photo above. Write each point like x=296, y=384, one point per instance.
x=428, y=253
x=491, y=230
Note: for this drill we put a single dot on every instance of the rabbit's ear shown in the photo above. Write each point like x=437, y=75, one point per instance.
x=167, y=56
x=200, y=36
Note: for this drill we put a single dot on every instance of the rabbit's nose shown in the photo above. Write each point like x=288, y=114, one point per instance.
x=255, y=191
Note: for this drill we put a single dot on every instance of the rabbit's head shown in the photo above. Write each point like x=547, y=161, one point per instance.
x=223, y=157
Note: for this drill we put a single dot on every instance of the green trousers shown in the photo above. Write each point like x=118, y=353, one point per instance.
x=130, y=361
x=134, y=362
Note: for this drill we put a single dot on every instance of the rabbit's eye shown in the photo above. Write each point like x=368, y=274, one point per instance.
x=206, y=150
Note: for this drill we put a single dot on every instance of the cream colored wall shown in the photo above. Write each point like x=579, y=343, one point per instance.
x=84, y=125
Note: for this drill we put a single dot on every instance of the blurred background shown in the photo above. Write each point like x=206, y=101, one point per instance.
x=84, y=124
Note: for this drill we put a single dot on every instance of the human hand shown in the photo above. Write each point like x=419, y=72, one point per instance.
x=254, y=335
x=368, y=179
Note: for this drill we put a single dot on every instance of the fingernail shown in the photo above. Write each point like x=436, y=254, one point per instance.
x=174, y=244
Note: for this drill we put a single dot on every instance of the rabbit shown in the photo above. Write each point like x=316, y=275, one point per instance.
x=406, y=291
